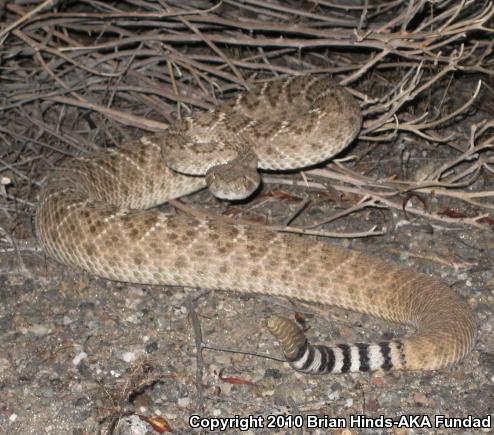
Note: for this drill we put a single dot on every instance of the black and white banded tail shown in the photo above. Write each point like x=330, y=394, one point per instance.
x=339, y=358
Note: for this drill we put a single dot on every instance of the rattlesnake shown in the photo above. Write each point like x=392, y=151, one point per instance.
x=92, y=213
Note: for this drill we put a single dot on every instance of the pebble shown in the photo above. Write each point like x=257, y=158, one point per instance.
x=134, y=319
x=78, y=358
x=67, y=320
x=40, y=330
x=285, y=393
x=128, y=357
x=48, y=393
x=4, y=364
x=152, y=347
x=179, y=311
x=273, y=373
x=183, y=402
x=131, y=425
x=333, y=395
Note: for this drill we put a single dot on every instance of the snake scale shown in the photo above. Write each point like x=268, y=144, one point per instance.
x=94, y=213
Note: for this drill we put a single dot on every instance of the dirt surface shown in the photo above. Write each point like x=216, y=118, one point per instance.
x=79, y=353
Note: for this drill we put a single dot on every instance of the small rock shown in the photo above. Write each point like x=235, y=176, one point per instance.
x=81, y=401
x=134, y=319
x=421, y=399
x=183, y=402
x=4, y=364
x=333, y=395
x=131, y=425
x=152, y=347
x=87, y=306
x=128, y=357
x=40, y=330
x=273, y=373
x=78, y=358
x=47, y=393
x=179, y=311
x=67, y=320
x=286, y=393
x=386, y=400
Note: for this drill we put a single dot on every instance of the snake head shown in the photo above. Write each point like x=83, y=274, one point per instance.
x=235, y=180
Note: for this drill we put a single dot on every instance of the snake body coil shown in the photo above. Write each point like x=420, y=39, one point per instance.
x=93, y=213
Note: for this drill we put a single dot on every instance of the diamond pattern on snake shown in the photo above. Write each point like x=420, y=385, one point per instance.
x=96, y=213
